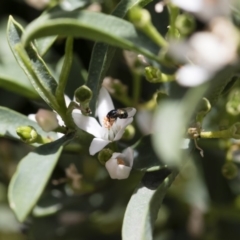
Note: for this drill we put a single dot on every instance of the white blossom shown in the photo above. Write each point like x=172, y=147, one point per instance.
x=104, y=132
x=206, y=52
x=205, y=10
x=120, y=164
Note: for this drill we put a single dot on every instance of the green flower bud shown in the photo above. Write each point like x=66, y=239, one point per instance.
x=154, y=75
x=229, y=170
x=235, y=130
x=27, y=133
x=204, y=108
x=185, y=23
x=139, y=17
x=129, y=132
x=83, y=94
x=232, y=105
x=104, y=155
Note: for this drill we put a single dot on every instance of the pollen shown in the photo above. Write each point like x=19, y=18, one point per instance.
x=107, y=123
x=120, y=161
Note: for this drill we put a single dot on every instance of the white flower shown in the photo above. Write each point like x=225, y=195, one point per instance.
x=106, y=131
x=204, y=9
x=206, y=52
x=120, y=164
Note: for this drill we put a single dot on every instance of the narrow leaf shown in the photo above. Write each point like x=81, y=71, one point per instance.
x=67, y=63
x=144, y=204
x=103, y=53
x=43, y=44
x=170, y=124
x=32, y=64
x=93, y=26
x=31, y=177
x=10, y=120
x=12, y=83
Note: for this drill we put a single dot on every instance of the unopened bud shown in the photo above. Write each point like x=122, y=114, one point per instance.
x=185, y=23
x=104, y=155
x=235, y=130
x=83, y=94
x=27, y=133
x=154, y=75
x=47, y=120
x=229, y=170
x=204, y=108
x=129, y=132
x=139, y=17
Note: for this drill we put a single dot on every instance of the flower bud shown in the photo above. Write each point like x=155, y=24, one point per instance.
x=152, y=74
x=232, y=105
x=27, y=133
x=83, y=94
x=235, y=130
x=104, y=155
x=204, y=108
x=185, y=24
x=229, y=170
x=139, y=17
x=129, y=132
x=47, y=120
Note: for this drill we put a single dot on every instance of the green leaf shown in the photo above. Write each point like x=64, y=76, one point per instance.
x=12, y=78
x=14, y=83
x=170, y=124
x=144, y=204
x=10, y=120
x=77, y=75
x=32, y=175
x=93, y=26
x=43, y=44
x=103, y=53
x=32, y=64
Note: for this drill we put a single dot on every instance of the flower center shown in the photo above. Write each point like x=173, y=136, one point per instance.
x=110, y=129
x=120, y=161
x=107, y=123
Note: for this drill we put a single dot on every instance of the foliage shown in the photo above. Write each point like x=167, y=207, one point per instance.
x=174, y=124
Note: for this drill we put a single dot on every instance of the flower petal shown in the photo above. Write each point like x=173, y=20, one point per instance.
x=131, y=111
x=192, y=75
x=128, y=156
x=32, y=117
x=97, y=144
x=67, y=100
x=88, y=124
x=188, y=5
x=122, y=123
x=117, y=171
x=105, y=104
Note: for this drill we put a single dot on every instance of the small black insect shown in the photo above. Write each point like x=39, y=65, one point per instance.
x=117, y=113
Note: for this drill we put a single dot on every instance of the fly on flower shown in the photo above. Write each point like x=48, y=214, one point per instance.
x=121, y=113
x=112, y=122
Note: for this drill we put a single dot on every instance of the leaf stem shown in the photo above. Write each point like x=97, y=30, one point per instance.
x=64, y=73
